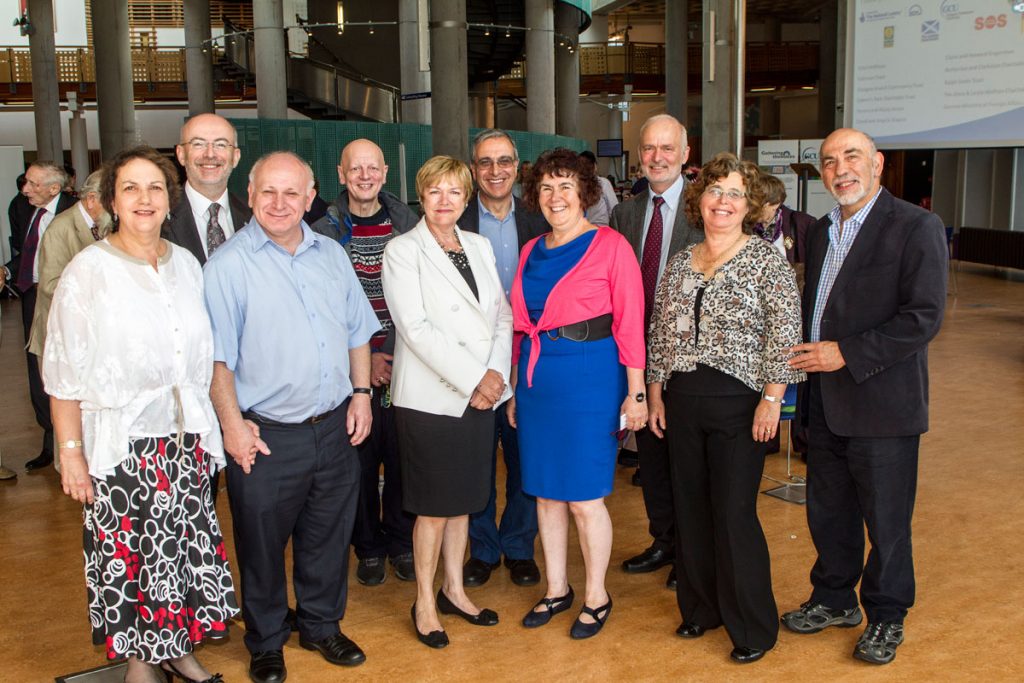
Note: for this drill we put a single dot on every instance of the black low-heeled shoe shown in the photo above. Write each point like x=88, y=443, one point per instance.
x=487, y=617
x=434, y=639
x=533, y=618
x=746, y=655
x=171, y=671
x=582, y=630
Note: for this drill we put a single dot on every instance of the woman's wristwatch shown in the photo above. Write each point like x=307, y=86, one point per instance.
x=640, y=397
x=70, y=443
x=772, y=399
x=363, y=390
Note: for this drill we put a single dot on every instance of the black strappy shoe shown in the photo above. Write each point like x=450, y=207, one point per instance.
x=582, y=630
x=171, y=672
x=533, y=618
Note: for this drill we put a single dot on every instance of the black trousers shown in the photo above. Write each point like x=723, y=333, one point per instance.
x=723, y=567
x=656, y=485
x=306, y=490
x=382, y=527
x=40, y=401
x=853, y=481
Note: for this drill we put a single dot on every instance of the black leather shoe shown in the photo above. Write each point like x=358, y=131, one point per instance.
x=42, y=460
x=477, y=572
x=404, y=566
x=336, y=649
x=671, y=581
x=434, y=639
x=647, y=561
x=533, y=618
x=292, y=620
x=635, y=479
x=371, y=571
x=628, y=458
x=486, y=617
x=523, y=572
x=690, y=630
x=746, y=655
x=267, y=667
x=581, y=630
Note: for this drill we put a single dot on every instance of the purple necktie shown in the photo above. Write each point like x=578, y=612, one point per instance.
x=28, y=253
x=651, y=259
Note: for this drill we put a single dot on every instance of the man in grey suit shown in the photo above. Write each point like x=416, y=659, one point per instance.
x=654, y=222
x=207, y=214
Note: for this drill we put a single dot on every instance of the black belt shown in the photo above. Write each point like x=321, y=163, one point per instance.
x=585, y=330
x=266, y=421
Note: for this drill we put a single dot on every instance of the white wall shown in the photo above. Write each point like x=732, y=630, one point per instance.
x=68, y=18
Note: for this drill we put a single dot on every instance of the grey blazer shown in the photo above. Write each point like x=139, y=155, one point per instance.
x=628, y=219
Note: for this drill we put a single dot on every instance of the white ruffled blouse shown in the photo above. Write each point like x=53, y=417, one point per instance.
x=135, y=347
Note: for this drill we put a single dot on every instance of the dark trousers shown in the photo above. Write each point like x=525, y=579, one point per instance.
x=853, y=481
x=306, y=490
x=656, y=485
x=382, y=527
x=515, y=536
x=723, y=567
x=40, y=401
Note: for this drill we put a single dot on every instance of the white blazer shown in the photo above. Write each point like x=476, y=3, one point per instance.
x=447, y=339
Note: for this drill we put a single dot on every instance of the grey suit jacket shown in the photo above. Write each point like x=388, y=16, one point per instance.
x=180, y=226
x=628, y=219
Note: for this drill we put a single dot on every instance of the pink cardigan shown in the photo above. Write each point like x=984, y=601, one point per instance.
x=605, y=280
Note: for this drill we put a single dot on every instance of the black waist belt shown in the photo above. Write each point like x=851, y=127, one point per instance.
x=266, y=421
x=585, y=330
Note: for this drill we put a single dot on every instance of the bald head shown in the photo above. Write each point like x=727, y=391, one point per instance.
x=663, y=151
x=208, y=149
x=363, y=172
x=851, y=168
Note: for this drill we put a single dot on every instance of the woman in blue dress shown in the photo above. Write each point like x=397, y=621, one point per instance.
x=579, y=295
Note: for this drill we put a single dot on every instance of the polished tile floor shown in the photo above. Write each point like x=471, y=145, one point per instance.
x=968, y=622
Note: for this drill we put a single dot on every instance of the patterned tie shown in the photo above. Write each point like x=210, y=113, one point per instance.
x=214, y=233
x=651, y=260
x=95, y=232
x=28, y=253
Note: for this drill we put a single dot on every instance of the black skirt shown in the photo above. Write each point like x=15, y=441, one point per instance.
x=446, y=461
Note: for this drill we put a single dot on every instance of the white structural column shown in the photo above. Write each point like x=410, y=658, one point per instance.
x=271, y=69
x=198, y=57
x=540, y=67
x=414, y=54
x=449, y=104
x=45, y=95
x=115, y=87
x=567, y=70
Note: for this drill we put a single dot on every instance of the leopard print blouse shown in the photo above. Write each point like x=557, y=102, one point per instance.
x=750, y=314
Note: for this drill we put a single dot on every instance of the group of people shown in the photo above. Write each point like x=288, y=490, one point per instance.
x=202, y=333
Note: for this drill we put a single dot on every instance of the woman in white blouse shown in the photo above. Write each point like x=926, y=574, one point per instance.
x=128, y=361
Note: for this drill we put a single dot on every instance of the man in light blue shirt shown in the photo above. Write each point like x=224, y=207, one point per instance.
x=291, y=330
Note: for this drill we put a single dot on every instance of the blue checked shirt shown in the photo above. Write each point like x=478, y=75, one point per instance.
x=839, y=244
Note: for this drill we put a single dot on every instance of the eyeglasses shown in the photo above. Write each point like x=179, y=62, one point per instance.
x=732, y=195
x=500, y=162
x=200, y=145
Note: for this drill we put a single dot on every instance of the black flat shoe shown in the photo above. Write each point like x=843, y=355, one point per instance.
x=171, y=671
x=42, y=460
x=649, y=560
x=523, y=572
x=746, y=655
x=477, y=572
x=690, y=630
x=337, y=649
x=533, y=618
x=434, y=639
x=582, y=630
x=267, y=667
x=487, y=617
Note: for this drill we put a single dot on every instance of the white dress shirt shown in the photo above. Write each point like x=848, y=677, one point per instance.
x=44, y=223
x=201, y=212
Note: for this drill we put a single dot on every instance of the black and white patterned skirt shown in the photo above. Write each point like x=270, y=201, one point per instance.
x=156, y=569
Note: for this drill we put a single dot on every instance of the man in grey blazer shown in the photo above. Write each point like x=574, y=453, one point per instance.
x=874, y=299
x=207, y=214
x=663, y=151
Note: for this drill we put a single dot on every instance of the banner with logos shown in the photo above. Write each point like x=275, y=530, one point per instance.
x=937, y=73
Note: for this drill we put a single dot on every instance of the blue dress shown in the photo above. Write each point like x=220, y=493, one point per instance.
x=568, y=419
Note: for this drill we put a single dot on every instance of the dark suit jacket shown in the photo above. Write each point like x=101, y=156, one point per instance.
x=885, y=306
x=180, y=226
x=628, y=218
x=21, y=219
x=529, y=224
x=794, y=226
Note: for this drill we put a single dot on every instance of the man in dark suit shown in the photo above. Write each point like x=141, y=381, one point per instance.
x=207, y=214
x=44, y=182
x=654, y=222
x=504, y=220
x=875, y=296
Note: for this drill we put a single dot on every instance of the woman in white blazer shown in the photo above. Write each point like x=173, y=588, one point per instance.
x=452, y=361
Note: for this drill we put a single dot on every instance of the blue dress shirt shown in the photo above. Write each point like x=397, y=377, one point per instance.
x=284, y=323
x=504, y=239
